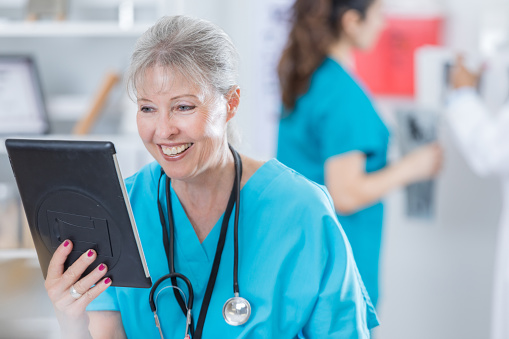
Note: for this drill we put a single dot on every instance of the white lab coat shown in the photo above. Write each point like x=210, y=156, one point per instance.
x=484, y=142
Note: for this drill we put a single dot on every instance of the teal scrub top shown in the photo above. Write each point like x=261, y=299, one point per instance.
x=295, y=265
x=333, y=117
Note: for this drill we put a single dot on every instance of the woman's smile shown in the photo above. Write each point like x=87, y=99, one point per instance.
x=175, y=152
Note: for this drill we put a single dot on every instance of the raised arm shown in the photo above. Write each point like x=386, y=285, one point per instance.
x=352, y=188
x=71, y=309
x=482, y=138
x=106, y=325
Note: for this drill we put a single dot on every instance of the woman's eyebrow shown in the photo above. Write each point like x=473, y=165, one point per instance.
x=184, y=95
x=175, y=97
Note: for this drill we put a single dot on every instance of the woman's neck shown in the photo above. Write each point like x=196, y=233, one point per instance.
x=342, y=51
x=205, y=197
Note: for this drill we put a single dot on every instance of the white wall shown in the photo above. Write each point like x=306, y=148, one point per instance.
x=437, y=276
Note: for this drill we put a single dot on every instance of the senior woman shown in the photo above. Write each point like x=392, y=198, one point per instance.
x=293, y=262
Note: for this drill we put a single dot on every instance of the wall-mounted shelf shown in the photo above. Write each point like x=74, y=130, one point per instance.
x=17, y=253
x=51, y=29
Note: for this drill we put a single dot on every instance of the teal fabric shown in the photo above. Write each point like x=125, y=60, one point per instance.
x=336, y=116
x=296, y=267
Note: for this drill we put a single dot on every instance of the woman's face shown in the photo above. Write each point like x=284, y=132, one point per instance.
x=182, y=126
x=369, y=28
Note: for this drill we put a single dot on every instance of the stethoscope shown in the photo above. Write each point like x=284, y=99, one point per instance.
x=236, y=310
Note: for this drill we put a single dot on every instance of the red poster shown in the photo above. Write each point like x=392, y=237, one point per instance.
x=388, y=69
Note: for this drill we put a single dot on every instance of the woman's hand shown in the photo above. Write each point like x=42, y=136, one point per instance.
x=461, y=77
x=423, y=163
x=70, y=310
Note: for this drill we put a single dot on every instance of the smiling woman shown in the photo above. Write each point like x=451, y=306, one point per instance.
x=280, y=266
x=182, y=124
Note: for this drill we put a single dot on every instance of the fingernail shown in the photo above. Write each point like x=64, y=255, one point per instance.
x=90, y=253
x=101, y=267
x=107, y=281
x=66, y=243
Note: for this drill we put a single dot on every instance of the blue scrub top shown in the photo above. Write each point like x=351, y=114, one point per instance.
x=337, y=116
x=295, y=265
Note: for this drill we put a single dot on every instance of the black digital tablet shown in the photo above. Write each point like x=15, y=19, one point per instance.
x=74, y=190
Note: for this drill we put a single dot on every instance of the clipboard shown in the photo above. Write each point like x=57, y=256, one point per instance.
x=74, y=190
x=417, y=127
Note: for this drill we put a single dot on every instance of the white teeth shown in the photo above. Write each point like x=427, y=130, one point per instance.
x=175, y=150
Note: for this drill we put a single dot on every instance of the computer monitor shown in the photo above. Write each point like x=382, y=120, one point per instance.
x=22, y=107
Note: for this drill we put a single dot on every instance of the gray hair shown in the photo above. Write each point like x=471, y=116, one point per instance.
x=193, y=47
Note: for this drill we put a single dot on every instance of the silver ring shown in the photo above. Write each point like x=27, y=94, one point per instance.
x=74, y=293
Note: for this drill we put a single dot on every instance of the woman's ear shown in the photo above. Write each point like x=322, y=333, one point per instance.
x=233, y=101
x=350, y=23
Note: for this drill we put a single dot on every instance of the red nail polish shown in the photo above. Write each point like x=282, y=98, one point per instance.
x=66, y=243
x=90, y=253
x=102, y=267
x=107, y=281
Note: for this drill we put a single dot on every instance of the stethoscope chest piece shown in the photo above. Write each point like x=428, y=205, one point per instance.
x=236, y=311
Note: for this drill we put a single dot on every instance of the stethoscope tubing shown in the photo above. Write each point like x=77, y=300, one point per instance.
x=238, y=176
x=169, y=249
x=162, y=279
x=168, y=242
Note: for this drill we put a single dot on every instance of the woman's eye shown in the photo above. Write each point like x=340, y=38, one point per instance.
x=146, y=109
x=185, y=108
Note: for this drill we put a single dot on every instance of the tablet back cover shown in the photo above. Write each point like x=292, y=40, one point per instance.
x=74, y=190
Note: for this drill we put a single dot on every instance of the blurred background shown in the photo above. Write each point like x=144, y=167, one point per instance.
x=439, y=243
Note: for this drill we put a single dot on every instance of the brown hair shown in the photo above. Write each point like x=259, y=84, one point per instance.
x=315, y=25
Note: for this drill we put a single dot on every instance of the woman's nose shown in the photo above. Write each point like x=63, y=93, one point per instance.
x=166, y=126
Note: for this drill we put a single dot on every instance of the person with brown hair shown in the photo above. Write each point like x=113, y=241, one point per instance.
x=330, y=130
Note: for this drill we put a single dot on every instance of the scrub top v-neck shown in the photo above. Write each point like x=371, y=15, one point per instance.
x=196, y=254
x=295, y=266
